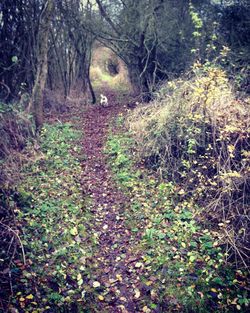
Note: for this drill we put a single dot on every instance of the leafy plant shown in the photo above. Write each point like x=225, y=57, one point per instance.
x=53, y=216
x=187, y=260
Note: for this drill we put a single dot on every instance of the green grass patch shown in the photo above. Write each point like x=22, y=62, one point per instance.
x=54, y=218
x=185, y=263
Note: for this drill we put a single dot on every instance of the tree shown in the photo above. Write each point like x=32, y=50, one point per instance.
x=77, y=17
x=18, y=29
x=150, y=36
x=42, y=63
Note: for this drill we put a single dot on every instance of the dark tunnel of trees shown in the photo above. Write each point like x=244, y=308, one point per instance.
x=156, y=39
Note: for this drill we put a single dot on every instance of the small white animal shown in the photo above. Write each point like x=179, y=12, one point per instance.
x=104, y=101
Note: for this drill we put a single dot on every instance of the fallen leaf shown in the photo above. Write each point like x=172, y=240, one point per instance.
x=153, y=294
x=96, y=284
x=123, y=299
x=79, y=276
x=138, y=264
x=30, y=297
x=74, y=231
x=145, y=309
x=80, y=282
x=137, y=293
x=149, y=283
x=101, y=298
x=119, y=277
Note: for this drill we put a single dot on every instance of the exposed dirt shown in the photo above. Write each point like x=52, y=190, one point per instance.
x=114, y=262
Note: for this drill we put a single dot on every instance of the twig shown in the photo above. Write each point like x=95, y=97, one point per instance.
x=19, y=239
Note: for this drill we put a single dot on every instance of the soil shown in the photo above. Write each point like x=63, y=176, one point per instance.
x=116, y=256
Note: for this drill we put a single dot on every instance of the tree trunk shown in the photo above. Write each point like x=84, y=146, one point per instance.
x=139, y=82
x=42, y=67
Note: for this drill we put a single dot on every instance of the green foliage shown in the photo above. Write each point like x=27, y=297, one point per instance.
x=53, y=215
x=120, y=159
x=187, y=261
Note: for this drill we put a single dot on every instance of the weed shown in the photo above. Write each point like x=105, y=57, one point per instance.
x=187, y=260
x=53, y=216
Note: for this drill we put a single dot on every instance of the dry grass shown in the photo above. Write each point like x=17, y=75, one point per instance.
x=197, y=134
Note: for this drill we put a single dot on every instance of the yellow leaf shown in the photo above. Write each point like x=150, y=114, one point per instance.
x=137, y=293
x=96, y=284
x=79, y=276
x=149, y=283
x=213, y=290
x=30, y=297
x=74, y=231
x=138, y=264
x=145, y=309
x=101, y=298
x=21, y=299
x=183, y=244
x=119, y=277
x=181, y=192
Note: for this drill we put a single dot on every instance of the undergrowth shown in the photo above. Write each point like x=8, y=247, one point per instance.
x=186, y=264
x=53, y=217
x=196, y=134
x=16, y=127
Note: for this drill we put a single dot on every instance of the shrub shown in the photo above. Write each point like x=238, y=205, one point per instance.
x=15, y=128
x=196, y=133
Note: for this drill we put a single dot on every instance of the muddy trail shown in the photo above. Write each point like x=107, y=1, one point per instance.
x=115, y=265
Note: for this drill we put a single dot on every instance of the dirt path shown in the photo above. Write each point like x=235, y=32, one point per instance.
x=114, y=262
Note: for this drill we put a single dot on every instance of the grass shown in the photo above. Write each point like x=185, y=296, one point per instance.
x=186, y=264
x=54, y=218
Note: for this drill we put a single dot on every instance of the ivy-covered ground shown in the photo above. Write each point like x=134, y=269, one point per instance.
x=101, y=234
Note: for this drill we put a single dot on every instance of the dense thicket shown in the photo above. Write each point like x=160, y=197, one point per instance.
x=157, y=39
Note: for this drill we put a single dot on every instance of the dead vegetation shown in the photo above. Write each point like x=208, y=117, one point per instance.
x=196, y=133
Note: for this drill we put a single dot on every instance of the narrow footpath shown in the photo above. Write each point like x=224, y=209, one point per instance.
x=116, y=257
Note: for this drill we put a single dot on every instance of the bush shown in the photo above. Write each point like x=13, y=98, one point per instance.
x=196, y=133
x=15, y=128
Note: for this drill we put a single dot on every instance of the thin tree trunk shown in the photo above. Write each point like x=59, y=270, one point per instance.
x=42, y=67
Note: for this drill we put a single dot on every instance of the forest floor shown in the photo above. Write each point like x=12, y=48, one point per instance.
x=81, y=238
x=117, y=260
x=103, y=234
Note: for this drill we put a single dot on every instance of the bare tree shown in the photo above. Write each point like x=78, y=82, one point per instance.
x=36, y=103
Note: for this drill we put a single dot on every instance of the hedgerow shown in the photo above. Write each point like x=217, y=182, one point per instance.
x=196, y=133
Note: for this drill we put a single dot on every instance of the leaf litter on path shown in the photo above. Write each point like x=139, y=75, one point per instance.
x=114, y=272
